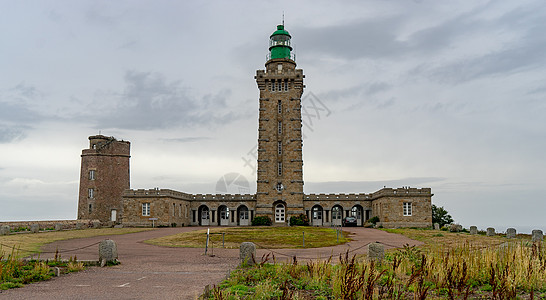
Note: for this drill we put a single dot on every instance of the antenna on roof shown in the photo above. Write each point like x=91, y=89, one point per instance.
x=283, y=18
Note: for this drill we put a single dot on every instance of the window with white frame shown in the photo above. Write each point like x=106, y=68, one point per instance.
x=91, y=174
x=279, y=107
x=91, y=193
x=280, y=127
x=146, y=209
x=407, y=208
x=279, y=148
x=279, y=168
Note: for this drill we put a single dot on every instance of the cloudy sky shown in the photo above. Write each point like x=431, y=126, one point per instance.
x=447, y=95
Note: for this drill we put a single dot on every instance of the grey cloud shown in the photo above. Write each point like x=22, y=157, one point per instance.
x=149, y=101
x=188, y=139
x=11, y=133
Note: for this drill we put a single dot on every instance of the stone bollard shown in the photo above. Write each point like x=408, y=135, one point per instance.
x=436, y=226
x=96, y=224
x=35, y=228
x=490, y=231
x=376, y=252
x=247, y=253
x=108, y=252
x=537, y=236
x=79, y=226
x=511, y=233
x=5, y=230
x=58, y=227
x=473, y=230
x=454, y=228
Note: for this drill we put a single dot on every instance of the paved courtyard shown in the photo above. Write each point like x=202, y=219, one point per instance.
x=148, y=271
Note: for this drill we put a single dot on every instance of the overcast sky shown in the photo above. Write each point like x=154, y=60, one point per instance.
x=442, y=94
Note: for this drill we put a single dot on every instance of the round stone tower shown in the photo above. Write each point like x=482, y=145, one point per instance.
x=280, y=164
x=104, y=176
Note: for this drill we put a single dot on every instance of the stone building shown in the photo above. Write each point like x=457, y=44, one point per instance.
x=279, y=195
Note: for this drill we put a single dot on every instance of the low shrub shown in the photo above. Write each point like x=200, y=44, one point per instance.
x=261, y=221
x=374, y=220
x=299, y=220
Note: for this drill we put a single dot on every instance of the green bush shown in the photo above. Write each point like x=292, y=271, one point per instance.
x=299, y=220
x=373, y=220
x=261, y=221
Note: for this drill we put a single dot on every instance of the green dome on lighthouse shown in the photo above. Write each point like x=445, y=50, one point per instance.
x=279, y=44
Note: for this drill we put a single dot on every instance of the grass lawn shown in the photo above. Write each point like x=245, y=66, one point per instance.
x=267, y=237
x=29, y=243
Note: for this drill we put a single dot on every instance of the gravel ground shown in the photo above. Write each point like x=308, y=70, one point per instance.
x=153, y=272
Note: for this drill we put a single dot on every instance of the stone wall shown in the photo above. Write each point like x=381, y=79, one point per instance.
x=388, y=205
x=66, y=224
x=168, y=206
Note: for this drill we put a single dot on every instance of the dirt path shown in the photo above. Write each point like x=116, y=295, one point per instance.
x=149, y=271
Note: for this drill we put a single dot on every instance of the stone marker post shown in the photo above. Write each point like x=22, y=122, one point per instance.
x=35, y=228
x=58, y=227
x=490, y=231
x=5, y=230
x=247, y=253
x=473, y=230
x=108, y=252
x=436, y=226
x=537, y=236
x=511, y=233
x=376, y=252
x=454, y=228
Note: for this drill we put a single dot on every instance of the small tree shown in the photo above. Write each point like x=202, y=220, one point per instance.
x=440, y=216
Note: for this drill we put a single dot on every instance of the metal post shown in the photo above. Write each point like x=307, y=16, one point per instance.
x=303, y=239
x=223, y=233
x=207, y=243
x=337, y=235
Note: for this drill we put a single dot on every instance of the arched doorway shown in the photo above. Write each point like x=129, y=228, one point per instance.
x=204, y=215
x=224, y=216
x=337, y=215
x=242, y=212
x=316, y=214
x=356, y=212
x=280, y=213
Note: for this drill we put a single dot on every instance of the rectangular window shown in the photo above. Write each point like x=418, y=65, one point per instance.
x=146, y=209
x=91, y=174
x=279, y=167
x=90, y=208
x=91, y=193
x=280, y=127
x=279, y=147
x=407, y=208
x=286, y=86
x=279, y=107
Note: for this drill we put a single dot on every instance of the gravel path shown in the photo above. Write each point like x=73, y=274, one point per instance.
x=149, y=272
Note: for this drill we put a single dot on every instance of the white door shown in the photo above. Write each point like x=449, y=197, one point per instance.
x=357, y=213
x=279, y=213
x=205, y=217
x=317, y=216
x=336, y=216
x=243, y=217
x=114, y=215
x=224, y=217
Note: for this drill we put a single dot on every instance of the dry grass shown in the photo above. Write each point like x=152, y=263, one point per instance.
x=449, y=240
x=268, y=237
x=26, y=244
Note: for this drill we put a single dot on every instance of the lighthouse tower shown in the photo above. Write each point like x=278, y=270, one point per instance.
x=280, y=164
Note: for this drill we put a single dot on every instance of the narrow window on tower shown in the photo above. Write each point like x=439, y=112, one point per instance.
x=270, y=85
x=279, y=168
x=280, y=127
x=279, y=147
x=286, y=86
x=146, y=209
x=90, y=208
x=282, y=85
x=91, y=193
x=279, y=107
x=91, y=174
